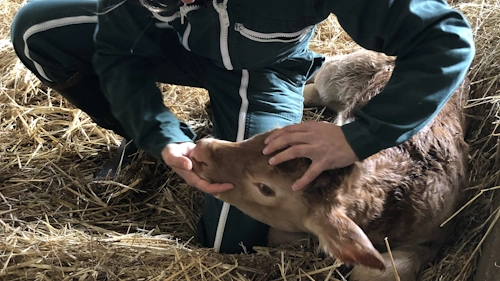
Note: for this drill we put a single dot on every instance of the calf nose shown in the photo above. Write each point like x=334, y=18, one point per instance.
x=200, y=154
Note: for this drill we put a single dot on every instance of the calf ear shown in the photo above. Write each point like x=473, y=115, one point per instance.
x=343, y=239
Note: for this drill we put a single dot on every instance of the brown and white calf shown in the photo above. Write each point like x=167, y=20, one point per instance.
x=403, y=193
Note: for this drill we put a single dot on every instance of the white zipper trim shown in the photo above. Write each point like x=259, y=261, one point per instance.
x=164, y=25
x=185, y=9
x=224, y=30
x=220, y=227
x=51, y=24
x=244, y=105
x=185, y=37
x=166, y=19
x=240, y=136
x=284, y=37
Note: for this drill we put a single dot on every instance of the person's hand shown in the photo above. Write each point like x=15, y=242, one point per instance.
x=175, y=156
x=323, y=143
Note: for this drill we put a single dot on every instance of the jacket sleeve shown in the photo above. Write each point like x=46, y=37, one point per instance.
x=434, y=48
x=125, y=62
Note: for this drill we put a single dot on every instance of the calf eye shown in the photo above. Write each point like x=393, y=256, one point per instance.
x=264, y=189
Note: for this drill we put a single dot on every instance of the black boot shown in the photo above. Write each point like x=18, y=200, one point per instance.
x=125, y=154
x=84, y=92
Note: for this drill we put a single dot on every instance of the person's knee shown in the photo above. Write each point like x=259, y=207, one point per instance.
x=22, y=21
x=36, y=31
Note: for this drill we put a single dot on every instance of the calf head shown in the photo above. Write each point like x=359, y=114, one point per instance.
x=264, y=192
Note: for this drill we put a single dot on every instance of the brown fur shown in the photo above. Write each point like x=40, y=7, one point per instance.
x=341, y=78
x=403, y=193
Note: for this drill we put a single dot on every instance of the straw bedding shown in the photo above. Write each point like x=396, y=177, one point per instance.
x=59, y=224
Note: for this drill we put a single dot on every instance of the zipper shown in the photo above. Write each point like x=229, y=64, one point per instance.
x=240, y=136
x=185, y=37
x=226, y=60
x=220, y=226
x=283, y=37
x=185, y=9
x=164, y=25
x=44, y=26
x=182, y=13
x=166, y=19
x=245, y=77
x=221, y=9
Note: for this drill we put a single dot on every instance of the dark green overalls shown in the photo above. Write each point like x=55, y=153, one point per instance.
x=252, y=56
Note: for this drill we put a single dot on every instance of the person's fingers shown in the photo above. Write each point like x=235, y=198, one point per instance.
x=284, y=141
x=175, y=155
x=296, y=151
x=312, y=173
x=185, y=162
x=194, y=180
x=275, y=145
x=284, y=131
x=275, y=134
x=181, y=162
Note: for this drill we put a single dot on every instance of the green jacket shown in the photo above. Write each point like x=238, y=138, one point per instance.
x=433, y=44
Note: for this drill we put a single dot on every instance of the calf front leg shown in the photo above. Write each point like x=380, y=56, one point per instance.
x=311, y=96
x=408, y=261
